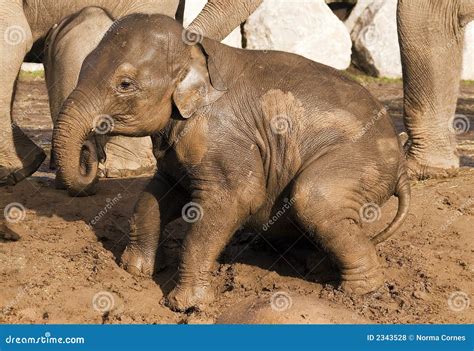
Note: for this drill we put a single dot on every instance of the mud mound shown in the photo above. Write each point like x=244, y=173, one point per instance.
x=282, y=308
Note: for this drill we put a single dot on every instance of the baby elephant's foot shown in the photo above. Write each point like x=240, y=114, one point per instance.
x=184, y=298
x=362, y=275
x=136, y=262
x=361, y=281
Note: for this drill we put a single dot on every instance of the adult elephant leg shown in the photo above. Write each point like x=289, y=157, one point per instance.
x=67, y=45
x=431, y=41
x=19, y=156
x=466, y=12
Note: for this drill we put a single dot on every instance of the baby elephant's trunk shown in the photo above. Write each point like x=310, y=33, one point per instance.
x=402, y=191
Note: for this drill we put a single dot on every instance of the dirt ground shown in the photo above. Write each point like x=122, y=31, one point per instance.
x=64, y=270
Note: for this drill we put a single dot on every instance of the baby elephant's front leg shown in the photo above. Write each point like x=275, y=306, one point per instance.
x=217, y=220
x=159, y=204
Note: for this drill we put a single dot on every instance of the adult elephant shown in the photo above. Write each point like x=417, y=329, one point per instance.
x=25, y=22
x=431, y=36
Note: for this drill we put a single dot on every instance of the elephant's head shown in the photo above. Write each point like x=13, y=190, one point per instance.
x=128, y=86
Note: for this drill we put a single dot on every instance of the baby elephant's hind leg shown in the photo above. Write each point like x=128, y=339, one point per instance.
x=325, y=206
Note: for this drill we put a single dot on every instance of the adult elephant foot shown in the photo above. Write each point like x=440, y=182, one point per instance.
x=421, y=166
x=128, y=157
x=417, y=170
x=18, y=159
x=433, y=164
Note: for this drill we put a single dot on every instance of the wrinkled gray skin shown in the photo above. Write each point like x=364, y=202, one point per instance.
x=431, y=59
x=66, y=47
x=431, y=36
x=24, y=22
x=272, y=141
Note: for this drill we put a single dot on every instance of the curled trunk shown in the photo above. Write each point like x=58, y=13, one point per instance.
x=75, y=154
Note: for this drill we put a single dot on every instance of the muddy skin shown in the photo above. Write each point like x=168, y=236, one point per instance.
x=238, y=143
x=25, y=24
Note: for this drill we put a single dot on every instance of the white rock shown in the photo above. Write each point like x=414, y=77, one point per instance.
x=32, y=67
x=375, y=38
x=356, y=12
x=194, y=7
x=373, y=28
x=305, y=27
x=468, y=57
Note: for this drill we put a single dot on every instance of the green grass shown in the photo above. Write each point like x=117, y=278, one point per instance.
x=25, y=75
x=369, y=79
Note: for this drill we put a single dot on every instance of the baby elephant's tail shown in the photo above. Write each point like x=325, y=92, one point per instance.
x=402, y=191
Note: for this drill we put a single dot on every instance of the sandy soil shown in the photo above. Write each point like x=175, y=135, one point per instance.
x=64, y=270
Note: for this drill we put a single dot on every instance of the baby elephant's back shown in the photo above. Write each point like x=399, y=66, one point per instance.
x=321, y=106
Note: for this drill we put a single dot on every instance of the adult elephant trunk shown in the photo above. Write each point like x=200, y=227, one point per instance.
x=75, y=152
x=431, y=35
x=220, y=17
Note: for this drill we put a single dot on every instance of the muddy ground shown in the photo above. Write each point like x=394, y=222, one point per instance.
x=65, y=271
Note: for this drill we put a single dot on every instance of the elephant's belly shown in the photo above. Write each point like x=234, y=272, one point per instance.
x=43, y=14
x=272, y=217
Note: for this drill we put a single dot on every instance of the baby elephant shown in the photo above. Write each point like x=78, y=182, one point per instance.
x=66, y=47
x=268, y=140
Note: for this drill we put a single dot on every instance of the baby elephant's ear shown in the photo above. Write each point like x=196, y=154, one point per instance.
x=195, y=89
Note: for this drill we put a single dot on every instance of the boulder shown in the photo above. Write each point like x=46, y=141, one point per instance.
x=194, y=7
x=374, y=34
x=308, y=28
x=468, y=58
x=360, y=6
x=32, y=67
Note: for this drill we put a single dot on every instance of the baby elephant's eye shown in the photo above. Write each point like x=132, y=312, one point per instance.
x=126, y=85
